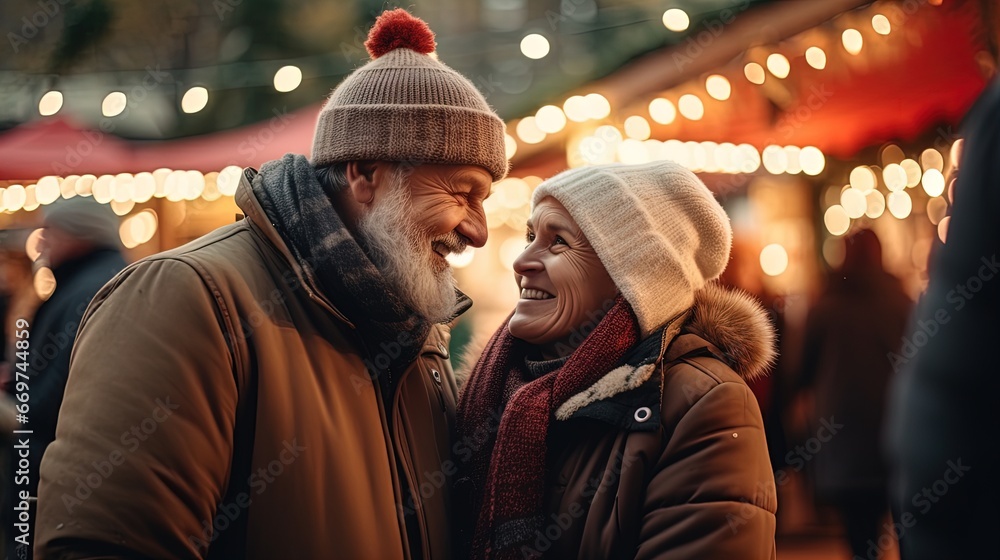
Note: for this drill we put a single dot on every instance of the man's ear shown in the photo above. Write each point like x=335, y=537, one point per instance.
x=365, y=177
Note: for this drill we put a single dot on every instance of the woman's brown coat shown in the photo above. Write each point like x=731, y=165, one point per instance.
x=668, y=460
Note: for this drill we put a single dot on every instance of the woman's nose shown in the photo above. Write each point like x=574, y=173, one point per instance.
x=527, y=262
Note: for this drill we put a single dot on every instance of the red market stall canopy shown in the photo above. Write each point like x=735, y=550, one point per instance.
x=56, y=146
x=923, y=69
x=60, y=147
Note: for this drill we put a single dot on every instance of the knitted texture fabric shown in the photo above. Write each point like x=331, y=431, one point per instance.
x=510, y=468
x=656, y=227
x=405, y=105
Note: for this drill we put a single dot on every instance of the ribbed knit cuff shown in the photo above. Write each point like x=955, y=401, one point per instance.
x=410, y=133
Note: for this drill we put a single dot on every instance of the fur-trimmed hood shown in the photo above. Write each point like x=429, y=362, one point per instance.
x=733, y=322
x=737, y=324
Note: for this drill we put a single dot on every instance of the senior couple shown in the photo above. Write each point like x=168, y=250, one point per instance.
x=305, y=351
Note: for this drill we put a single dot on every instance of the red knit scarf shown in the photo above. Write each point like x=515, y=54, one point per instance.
x=508, y=471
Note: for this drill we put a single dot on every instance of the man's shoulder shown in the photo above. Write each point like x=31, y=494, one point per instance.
x=229, y=251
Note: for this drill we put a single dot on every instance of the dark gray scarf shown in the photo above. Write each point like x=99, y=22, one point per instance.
x=331, y=259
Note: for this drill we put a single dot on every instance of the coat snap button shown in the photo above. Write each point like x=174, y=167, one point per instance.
x=643, y=414
x=436, y=374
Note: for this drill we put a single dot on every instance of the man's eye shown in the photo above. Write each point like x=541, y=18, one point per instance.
x=529, y=237
x=561, y=241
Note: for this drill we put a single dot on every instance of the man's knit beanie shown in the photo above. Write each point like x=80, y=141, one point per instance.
x=656, y=227
x=407, y=106
x=85, y=219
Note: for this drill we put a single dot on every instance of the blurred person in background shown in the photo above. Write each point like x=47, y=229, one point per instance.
x=80, y=245
x=853, y=327
x=942, y=437
x=280, y=388
x=610, y=417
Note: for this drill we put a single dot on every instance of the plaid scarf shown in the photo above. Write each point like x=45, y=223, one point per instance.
x=510, y=469
x=332, y=260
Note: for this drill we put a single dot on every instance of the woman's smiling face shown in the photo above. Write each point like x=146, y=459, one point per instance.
x=563, y=283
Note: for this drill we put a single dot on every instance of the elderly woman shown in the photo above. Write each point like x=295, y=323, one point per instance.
x=610, y=416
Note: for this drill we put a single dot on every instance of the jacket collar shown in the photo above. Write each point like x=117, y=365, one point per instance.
x=255, y=215
x=726, y=324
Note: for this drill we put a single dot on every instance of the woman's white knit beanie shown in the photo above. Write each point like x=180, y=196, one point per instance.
x=656, y=227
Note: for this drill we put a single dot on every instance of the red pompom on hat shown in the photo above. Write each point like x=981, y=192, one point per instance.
x=398, y=29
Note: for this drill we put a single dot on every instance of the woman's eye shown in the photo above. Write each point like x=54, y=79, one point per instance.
x=529, y=237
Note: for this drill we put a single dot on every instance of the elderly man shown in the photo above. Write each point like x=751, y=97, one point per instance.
x=280, y=388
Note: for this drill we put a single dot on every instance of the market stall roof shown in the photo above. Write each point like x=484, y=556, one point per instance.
x=925, y=73
x=922, y=74
x=249, y=146
x=58, y=146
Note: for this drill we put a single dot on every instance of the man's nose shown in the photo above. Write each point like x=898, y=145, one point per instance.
x=473, y=228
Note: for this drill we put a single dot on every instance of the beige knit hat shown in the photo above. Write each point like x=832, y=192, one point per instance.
x=405, y=105
x=656, y=227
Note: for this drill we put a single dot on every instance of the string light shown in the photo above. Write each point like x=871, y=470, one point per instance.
x=852, y=40
x=754, y=73
x=774, y=260
x=778, y=65
x=816, y=57
x=691, y=107
x=836, y=220
x=287, y=78
x=550, y=119
x=676, y=20
x=718, y=87
x=510, y=145
x=528, y=131
x=812, y=160
x=50, y=103
x=881, y=25
x=662, y=111
x=194, y=100
x=113, y=104
x=598, y=106
x=637, y=127
x=577, y=108
x=534, y=46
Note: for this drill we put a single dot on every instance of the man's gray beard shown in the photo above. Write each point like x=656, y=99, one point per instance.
x=403, y=253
